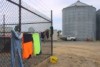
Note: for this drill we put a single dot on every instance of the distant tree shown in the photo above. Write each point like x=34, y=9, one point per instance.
x=31, y=29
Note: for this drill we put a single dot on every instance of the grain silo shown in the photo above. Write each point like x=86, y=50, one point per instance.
x=98, y=25
x=79, y=20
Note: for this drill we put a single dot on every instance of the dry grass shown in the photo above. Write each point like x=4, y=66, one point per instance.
x=77, y=54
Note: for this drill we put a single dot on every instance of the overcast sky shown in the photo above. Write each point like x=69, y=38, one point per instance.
x=57, y=6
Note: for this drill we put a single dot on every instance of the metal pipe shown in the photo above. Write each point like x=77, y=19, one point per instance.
x=4, y=29
x=30, y=23
x=51, y=33
x=19, y=15
x=29, y=10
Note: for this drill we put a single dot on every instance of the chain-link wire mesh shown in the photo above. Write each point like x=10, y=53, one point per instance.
x=32, y=21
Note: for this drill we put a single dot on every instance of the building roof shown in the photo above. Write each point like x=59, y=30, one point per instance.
x=7, y=29
x=78, y=3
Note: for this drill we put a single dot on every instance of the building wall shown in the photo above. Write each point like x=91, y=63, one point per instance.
x=55, y=37
x=7, y=31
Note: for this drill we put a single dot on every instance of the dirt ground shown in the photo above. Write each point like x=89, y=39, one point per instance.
x=77, y=54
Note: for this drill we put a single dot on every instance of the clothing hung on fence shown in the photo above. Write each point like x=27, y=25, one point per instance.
x=37, y=43
x=27, y=46
x=16, y=58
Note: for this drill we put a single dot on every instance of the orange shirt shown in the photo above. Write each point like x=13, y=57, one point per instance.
x=27, y=49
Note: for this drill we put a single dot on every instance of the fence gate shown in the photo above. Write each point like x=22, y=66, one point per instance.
x=17, y=12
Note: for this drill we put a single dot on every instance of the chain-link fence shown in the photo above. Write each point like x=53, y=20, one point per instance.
x=17, y=12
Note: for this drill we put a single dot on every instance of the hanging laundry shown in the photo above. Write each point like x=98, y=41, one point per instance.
x=47, y=34
x=37, y=43
x=27, y=46
x=42, y=36
x=16, y=58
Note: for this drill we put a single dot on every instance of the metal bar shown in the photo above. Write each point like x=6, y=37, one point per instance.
x=30, y=23
x=28, y=10
x=51, y=34
x=4, y=24
x=4, y=28
x=19, y=15
x=5, y=32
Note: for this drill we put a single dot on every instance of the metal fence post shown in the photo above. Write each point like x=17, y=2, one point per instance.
x=51, y=33
x=20, y=15
x=4, y=29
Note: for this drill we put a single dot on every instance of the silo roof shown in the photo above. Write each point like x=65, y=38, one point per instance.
x=98, y=12
x=78, y=3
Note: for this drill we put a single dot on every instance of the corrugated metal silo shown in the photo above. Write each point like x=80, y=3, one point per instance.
x=98, y=25
x=79, y=20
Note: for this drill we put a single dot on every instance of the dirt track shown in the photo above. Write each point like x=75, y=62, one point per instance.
x=77, y=54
